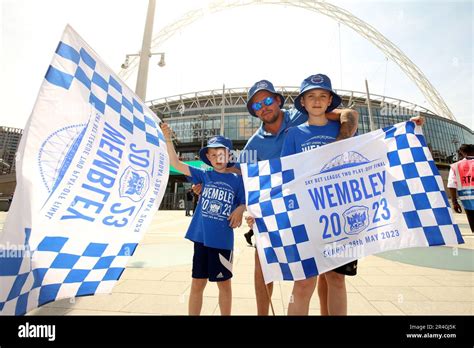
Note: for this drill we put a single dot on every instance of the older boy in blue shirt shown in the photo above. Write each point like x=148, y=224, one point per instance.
x=265, y=103
x=317, y=98
x=221, y=206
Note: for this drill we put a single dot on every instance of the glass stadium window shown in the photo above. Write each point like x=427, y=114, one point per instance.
x=231, y=133
x=365, y=121
x=231, y=126
x=255, y=123
x=245, y=130
x=208, y=124
x=217, y=123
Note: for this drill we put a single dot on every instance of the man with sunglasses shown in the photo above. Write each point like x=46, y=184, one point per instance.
x=267, y=142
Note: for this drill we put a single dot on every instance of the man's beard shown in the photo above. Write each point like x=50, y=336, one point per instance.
x=272, y=120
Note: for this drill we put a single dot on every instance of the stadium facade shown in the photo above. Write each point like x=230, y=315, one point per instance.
x=9, y=141
x=195, y=117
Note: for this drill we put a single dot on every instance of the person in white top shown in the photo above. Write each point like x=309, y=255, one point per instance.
x=461, y=183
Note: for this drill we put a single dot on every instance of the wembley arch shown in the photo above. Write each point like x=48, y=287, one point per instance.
x=330, y=10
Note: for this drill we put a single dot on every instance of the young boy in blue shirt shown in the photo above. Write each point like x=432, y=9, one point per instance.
x=221, y=206
x=317, y=98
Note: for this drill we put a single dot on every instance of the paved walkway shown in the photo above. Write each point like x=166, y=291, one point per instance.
x=158, y=278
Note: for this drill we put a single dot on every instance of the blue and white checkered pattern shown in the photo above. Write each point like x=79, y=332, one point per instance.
x=61, y=269
x=58, y=262
x=420, y=187
x=105, y=93
x=290, y=241
x=285, y=243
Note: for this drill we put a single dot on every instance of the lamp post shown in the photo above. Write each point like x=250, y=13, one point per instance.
x=161, y=63
x=142, y=78
x=369, y=107
x=145, y=53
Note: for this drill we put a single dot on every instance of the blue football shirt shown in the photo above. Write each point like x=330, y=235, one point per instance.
x=306, y=137
x=221, y=194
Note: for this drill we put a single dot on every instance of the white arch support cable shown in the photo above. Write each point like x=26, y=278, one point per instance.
x=339, y=14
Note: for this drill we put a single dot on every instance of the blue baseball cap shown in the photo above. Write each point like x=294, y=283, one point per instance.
x=263, y=85
x=318, y=81
x=217, y=141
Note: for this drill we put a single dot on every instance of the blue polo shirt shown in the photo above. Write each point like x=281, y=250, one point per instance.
x=306, y=137
x=268, y=145
x=221, y=194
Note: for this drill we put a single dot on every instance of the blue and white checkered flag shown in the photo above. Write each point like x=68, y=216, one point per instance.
x=92, y=168
x=320, y=209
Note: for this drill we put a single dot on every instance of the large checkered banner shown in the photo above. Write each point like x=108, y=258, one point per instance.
x=320, y=209
x=92, y=168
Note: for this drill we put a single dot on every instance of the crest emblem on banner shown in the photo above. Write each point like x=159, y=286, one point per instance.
x=134, y=184
x=356, y=219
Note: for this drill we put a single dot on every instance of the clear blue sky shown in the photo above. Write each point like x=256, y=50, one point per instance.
x=239, y=46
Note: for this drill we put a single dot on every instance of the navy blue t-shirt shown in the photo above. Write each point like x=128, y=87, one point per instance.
x=221, y=194
x=306, y=137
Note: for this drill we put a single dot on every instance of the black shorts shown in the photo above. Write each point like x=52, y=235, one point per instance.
x=349, y=269
x=210, y=263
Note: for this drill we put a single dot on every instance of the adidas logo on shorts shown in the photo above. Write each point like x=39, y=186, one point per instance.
x=220, y=275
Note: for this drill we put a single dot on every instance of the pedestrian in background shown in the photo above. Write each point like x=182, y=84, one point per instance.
x=461, y=183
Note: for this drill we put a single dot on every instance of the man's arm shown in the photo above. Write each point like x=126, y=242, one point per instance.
x=234, y=170
x=235, y=217
x=349, y=119
x=453, y=193
x=454, y=199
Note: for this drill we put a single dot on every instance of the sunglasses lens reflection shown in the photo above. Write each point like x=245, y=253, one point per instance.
x=257, y=106
x=267, y=101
